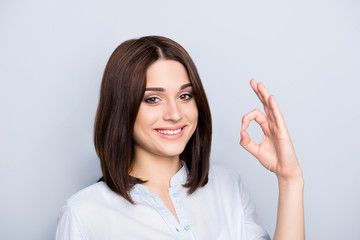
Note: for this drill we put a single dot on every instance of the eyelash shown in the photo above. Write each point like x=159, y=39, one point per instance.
x=154, y=99
x=147, y=100
x=188, y=95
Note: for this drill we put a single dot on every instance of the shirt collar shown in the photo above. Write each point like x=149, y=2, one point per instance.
x=178, y=179
x=181, y=176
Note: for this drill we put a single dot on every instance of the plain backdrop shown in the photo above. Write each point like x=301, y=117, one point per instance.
x=307, y=53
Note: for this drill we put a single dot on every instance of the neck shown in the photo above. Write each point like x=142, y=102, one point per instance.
x=157, y=170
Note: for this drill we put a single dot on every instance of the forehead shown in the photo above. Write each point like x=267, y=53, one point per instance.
x=166, y=74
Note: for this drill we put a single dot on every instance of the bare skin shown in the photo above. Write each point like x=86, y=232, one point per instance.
x=168, y=104
x=158, y=171
x=276, y=153
x=156, y=157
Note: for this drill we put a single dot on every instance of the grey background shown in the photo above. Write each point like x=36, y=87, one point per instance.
x=307, y=53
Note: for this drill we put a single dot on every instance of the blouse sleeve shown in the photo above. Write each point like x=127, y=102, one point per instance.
x=253, y=230
x=68, y=227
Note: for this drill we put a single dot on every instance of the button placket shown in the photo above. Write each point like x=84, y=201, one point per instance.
x=184, y=227
x=182, y=230
x=187, y=227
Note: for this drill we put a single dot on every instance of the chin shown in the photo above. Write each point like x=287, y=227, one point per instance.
x=171, y=152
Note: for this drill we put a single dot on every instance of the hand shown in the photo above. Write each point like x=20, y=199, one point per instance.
x=276, y=151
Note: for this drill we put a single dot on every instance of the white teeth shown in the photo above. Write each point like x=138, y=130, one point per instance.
x=169, y=132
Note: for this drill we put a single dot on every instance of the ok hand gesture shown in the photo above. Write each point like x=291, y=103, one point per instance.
x=276, y=151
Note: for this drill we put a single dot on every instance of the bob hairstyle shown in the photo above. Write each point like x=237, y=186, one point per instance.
x=122, y=90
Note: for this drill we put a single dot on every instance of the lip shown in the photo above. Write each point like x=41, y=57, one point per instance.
x=172, y=136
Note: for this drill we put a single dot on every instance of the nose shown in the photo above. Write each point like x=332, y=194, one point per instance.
x=172, y=112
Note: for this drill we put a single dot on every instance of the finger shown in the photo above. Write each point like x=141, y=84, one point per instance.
x=256, y=115
x=254, y=86
x=249, y=144
x=265, y=94
x=279, y=118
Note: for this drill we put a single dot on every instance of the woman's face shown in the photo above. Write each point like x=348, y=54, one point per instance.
x=168, y=114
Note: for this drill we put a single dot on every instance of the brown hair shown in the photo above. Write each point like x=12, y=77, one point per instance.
x=122, y=89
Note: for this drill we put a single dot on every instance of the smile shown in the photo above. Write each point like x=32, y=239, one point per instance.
x=170, y=133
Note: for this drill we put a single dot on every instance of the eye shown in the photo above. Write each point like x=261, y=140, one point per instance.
x=151, y=100
x=186, y=96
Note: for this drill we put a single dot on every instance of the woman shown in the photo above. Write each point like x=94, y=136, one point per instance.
x=153, y=137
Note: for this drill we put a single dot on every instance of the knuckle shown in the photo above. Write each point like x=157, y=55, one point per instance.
x=244, y=118
x=256, y=110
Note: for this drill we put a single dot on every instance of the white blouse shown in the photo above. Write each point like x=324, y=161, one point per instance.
x=219, y=210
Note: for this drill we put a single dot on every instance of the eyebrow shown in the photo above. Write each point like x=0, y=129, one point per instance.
x=158, y=89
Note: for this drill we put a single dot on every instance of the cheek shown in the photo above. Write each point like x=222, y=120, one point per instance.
x=192, y=113
x=195, y=111
x=145, y=118
x=140, y=123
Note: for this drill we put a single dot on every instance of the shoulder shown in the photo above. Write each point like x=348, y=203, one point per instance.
x=229, y=187
x=84, y=200
x=97, y=196
x=221, y=173
x=69, y=220
x=85, y=210
x=90, y=200
x=225, y=180
x=91, y=194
